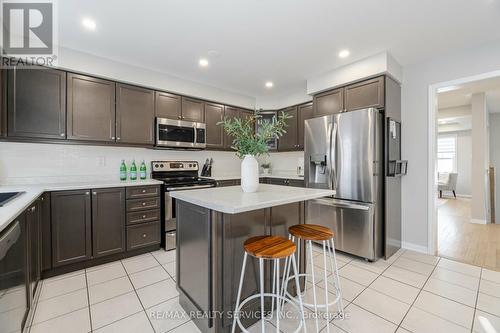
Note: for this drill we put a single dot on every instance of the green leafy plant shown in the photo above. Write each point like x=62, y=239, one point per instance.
x=247, y=140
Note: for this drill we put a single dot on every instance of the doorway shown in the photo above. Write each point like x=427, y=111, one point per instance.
x=464, y=165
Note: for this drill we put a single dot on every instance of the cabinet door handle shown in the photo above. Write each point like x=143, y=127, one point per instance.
x=118, y=139
x=144, y=204
x=143, y=191
x=143, y=216
x=112, y=138
x=62, y=134
x=144, y=235
x=94, y=193
x=87, y=193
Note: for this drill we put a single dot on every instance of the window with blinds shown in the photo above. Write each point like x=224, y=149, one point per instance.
x=447, y=154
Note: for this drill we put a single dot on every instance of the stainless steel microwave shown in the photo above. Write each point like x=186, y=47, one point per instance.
x=180, y=134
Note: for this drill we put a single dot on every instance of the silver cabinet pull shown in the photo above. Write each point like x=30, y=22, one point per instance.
x=62, y=134
x=118, y=139
x=144, y=235
x=87, y=193
x=144, y=204
x=112, y=138
x=94, y=193
x=143, y=191
x=143, y=216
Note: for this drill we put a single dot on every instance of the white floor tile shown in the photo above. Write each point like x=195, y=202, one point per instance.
x=148, y=276
x=157, y=293
x=490, y=304
x=464, y=280
x=256, y=328
x=359, y=320
x=9, y=321
x=13, y=299
x=455, y=312
x=164, y=257
x=140, y=264
x=419, y=321
x=490, y=275
x=188, y=327
x=104, y=274
x=422, y=257
x=60, y=305
x=356, y=274
x=109, y=289
x=167, y=315
x=376, y=267
x=291, y=320
x=490, y=288
x=382, y=305
x=308, y=298
x=452, y=291
x=405, y=276
x=133, y=324
x=350, y=289
x=171, y=269
x=414, y=266
x=62, y=286
x=459, y=267
x=486, y=323
x=398, y=290
x=64, y=276
x=114, y=309
x=74, y=322
x=106, y=265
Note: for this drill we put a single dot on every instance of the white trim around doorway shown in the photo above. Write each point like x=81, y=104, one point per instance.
x=431, y=168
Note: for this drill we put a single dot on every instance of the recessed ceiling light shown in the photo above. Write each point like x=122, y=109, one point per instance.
x=89, y=24
x=344, y=53
x=269, y=84
x=203, y=62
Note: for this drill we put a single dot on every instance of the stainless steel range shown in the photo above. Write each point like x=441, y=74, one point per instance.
x=176, y=176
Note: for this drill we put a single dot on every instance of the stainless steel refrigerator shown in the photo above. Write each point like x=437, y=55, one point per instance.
x=344, y=152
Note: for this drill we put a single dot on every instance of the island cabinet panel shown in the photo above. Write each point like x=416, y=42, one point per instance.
x=91, y=109
x=365, y=94
x=36, y=103
x=108, y=221
x=305, y=111
x=192, y=109
x=214, y=113
x=289, y=140
x=329, y=102
x=168, y=105
x=134, y=115
x=71, y=227
x=230, y=113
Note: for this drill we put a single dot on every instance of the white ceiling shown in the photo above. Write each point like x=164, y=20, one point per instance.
x=286, y=41
x=461, y=95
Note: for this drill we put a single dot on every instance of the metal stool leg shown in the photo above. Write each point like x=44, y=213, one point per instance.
x=278, y=301
x=242, y=275
x=297, y=286
x=261, y=277
x=325, y=279
x=333, y=263
x=314, y=284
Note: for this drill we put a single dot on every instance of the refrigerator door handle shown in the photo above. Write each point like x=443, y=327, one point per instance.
x=340, y=204
x=333, y=151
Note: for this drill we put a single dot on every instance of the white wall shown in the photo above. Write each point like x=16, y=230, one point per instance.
x=25, y=163
x=464, y=160
x=495, y=158
x=79, y=61
x=415, y=127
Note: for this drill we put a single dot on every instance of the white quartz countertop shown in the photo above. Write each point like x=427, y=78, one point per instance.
x=16, y=206
x=262, y=175
x=233, y=200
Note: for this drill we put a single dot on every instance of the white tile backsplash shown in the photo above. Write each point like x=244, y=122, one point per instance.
x=30, y=163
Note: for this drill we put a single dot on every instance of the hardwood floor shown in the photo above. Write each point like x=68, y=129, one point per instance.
x=460, y=240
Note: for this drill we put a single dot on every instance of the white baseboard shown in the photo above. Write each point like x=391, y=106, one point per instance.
x=478, y=221
x=414, y=247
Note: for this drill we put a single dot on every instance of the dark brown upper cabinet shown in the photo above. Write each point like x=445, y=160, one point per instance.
x=108, y=221
x=91, y=109
x=230, y=112
x=305, y=111
x=214, y=113
x=365, y=94
x=289, y=140
x=192, y=109
x=168, y=105
x=71, y=227
x=329, y=102
x=134, y=115
x=36, y=103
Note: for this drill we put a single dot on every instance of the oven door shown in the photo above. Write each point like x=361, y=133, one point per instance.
x=178, y=133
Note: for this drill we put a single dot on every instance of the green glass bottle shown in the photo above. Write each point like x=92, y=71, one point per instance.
x=123, y=171
x=142, y=170
x=133, y=171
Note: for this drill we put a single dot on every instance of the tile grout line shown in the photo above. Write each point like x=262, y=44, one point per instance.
x=477, y=299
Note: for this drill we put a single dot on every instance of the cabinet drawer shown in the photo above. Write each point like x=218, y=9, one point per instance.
x=143, y=216
x=142, y=192
x=142, y=235
x=143, y=204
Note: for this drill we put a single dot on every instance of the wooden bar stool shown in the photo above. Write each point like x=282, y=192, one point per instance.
x=310, y=233
x=272, y=248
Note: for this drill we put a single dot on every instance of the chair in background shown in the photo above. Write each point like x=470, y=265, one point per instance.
x=447, y=182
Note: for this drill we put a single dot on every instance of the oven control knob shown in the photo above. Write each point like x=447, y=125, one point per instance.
x=161, y=165
x=156, y=165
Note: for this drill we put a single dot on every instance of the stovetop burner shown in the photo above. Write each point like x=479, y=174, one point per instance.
x=178, y=173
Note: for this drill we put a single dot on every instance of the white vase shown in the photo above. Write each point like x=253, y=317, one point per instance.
x=249, y=174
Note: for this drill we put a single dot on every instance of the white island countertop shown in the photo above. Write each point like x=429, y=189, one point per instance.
x=233, y=200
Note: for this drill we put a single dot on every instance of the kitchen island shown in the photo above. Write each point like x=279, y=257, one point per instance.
x=212, y=225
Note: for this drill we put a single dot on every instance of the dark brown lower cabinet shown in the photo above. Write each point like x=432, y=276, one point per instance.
x=71, y=227
x=108, y=221
x=46, y=232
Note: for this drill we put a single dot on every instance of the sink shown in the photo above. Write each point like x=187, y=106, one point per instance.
x=8, y=196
